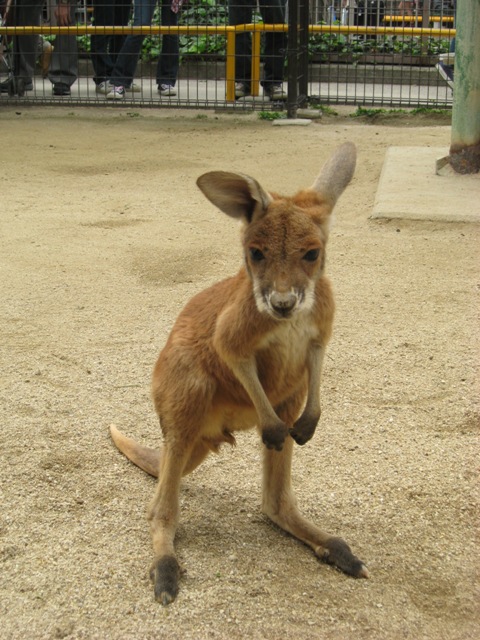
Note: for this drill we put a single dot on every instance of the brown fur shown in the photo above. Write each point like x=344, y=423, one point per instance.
x=248, y=352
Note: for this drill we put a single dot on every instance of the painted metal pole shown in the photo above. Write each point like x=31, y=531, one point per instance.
x=465, y=141
x=292, y=57
x=303, y=37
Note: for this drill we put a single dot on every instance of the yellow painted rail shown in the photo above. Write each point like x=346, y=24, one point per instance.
x=417, y=19
x=229, y=32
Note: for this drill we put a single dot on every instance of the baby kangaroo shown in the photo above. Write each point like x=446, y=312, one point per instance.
x=248, y=352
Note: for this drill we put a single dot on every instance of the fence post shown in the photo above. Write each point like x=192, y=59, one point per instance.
x=465, y=141
x=303, y=37
x=230, y=65
x=292, y=59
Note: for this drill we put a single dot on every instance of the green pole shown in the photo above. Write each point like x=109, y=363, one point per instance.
x=465, y=141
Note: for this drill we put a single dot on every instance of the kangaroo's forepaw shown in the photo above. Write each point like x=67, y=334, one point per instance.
x=304, y=428
x=165, y=574
x=274, y=437
x=337, y=552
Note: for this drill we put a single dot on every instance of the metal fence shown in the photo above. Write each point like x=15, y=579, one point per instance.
x=366, y=52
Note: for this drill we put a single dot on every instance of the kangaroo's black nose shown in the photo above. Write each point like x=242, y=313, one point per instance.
x=283, y=303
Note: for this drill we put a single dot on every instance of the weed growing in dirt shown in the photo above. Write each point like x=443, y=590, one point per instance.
x=363, y=112
x=271, y=115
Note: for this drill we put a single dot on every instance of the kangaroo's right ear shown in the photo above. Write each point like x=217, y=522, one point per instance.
x=236, y=194
x=337, y=172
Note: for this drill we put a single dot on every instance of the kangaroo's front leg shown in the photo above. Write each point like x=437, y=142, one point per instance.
x=305, y=426
x=280, y=506
x=273, y=429
x=163, y=517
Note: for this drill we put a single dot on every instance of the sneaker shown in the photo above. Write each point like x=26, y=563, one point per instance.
x=103, y=88
x=446, y=72
x=61, y=89
x=134, y=88
x=275, y=92
x=166, y=90
x=241, y=90
x=116, y=93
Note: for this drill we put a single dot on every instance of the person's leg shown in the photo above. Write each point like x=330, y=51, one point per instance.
x=25, y=48
x=446, y=63
x=64, y=64
x=122, y=10
x=99, y=54
x=104, y=49
x=273, y=12
x=240, y=12
x=167, y=67
x=127, y=59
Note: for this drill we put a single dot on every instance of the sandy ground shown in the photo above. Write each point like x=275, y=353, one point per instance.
x=104, y=237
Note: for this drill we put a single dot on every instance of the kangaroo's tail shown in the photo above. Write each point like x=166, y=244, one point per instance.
x=146, y=458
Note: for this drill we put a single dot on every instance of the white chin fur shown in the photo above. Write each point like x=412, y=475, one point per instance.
x=264, y=306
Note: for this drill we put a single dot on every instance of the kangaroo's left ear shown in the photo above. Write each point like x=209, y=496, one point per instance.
x=236, y=194
x=336, y=172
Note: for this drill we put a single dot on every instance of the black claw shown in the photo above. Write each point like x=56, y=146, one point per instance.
x=165, y=574
x=274, y=438
x=304, y=429
x=299, y=438
x=338, y=553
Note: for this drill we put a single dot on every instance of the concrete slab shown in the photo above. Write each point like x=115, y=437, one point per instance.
x=291, y=122
x=409, y=188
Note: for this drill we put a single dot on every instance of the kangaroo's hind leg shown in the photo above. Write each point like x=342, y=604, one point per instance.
x=279, y=504
x=178, y=458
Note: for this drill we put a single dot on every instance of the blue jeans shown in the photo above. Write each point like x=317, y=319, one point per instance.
x=272, y=12
x=104, y=49
x=127, y=59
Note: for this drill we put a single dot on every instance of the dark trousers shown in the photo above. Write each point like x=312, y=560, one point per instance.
x=64, y=64
x=273, y=12
x=25, y=48
x=104, y=49
x=63, y=67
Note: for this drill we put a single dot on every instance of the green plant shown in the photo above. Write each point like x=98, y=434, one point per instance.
x=271, y=115
x=203, y=12
x=326, y=110
x=429, y=111
x=83, y=44
x=371, y=113
x=324, y=44
x=215, y=13
x=367, y=112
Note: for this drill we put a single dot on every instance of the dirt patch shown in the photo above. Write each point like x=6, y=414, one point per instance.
x=104, y=238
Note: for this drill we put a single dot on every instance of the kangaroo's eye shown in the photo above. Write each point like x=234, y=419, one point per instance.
x=256, y=254
x=311, y=255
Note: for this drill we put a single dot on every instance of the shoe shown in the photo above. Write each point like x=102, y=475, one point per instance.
x=7, y=86
x=275, y=92
x=134, y=88
x=103, y=88
x=166, y=90
x=45, y=57
x=116, y=93
x=446, y=72
x=241, y=90
x=448, y=58
x=61, y=89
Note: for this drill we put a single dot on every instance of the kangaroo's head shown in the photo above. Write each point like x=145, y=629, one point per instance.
x=284, y=238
